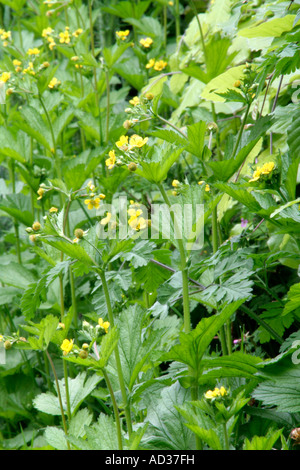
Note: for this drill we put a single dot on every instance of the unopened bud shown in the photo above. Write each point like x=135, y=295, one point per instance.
x=132, y=166
x=79, y=233
x=36, y=226
x=127, y=124
x=83, y=354
x=7, y=344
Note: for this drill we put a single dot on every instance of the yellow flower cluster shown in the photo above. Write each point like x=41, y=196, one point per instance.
x=64, y=37
x=4, y=35
x=104, y=324
x=147, y=42
x=157, y=65
x=135, y=221
x=217, y=392
x=207, y=187
x=53, y=83
x=29, y=69
x=266, y=169
x=5, y=76
x=135, y=141
x=135, y=101
x=122, y=34
x=34, y=51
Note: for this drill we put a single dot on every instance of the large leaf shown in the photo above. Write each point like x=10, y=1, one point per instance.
x=166, y=429
x=193, y=345
x=79, y=388
x=272, y=28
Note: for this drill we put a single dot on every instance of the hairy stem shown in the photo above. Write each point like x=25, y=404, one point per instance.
x=117, y=355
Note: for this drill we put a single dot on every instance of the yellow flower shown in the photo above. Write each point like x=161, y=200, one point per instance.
x=123, y=142
x=147, y=42
x=93, y=203
x=267, y=168
x=256, y=175
x=91, y=186
x=104, y=324
x=52, y=45
x=110, y=162
x=223, y=391
x=77, y=32
x=150, y=64
x=175, y=183
x=54, y=82
x=106, y=219
x=16, y=62
x=34, y=51
x=46, y=32
x=40, y=192
x=237, y=84
x=64, y=37
x=53, y=210
x=207, y=188
x=134, y=213
x=66, y=346
x=137, y=141
x=46, y=64
x=217, y=392
x=122, y=34
x=5, y=77
x=75, y=58
x=135, y=101
x=160, y=65
x=5, y=34
x=1, y=338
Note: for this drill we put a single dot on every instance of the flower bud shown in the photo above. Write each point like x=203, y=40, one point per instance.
x=79, y=233
x=127, y=124
x=7, y=344
x=83, y=354
x=36, y=226
x=132, y=166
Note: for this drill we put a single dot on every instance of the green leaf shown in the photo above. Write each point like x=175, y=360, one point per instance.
x=272, y=28
x=194, y=344
x=166, y=429
x=10, y=146
x=102, y=435
x=135, y=349
x=155, y=169
x=18, y=206
x=75, y=251
x=282, y=385
x=16, y=275
x=79, y=388
x=263, y=442
x=34, y=125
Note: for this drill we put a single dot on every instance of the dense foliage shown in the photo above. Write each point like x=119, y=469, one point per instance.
x=149, y=229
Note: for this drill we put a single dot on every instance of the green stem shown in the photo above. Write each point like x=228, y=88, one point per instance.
x=262, y=323
x=226, y=436
x=116, y=411
x=183, y=262
x=177, y=20
x=94, y=69
x=241, y=131
x=117, y=355
x=107, y=105
x=16, y=225
x=59, y=396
